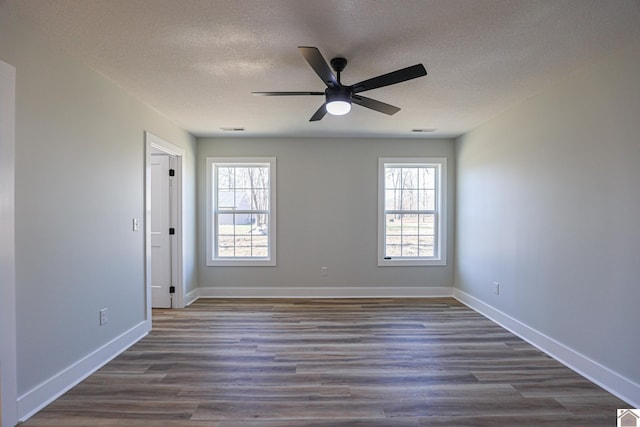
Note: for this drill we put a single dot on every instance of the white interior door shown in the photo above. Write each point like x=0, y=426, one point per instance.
x=161, y=274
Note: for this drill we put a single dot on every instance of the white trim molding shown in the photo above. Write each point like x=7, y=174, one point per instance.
x=322, y=292
x=191, y=297
x=40, y=396
x=611, y=381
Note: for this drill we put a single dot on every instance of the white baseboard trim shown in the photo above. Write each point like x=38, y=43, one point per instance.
x=191, y=297
x=40, y=396
x=604, y=377
x=323, y=292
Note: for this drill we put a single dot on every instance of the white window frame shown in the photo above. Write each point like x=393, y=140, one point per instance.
x=211, y=200
x=440, y=224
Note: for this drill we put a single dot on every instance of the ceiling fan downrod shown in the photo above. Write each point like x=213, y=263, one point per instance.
x=338, y=64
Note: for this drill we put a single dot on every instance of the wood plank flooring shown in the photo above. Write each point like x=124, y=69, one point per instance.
x=329, y=363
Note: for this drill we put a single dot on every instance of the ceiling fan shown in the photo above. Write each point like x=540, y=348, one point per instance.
x=338, y=97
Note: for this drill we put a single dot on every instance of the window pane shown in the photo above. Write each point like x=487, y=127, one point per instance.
x=260, y=246
x=409, y=200
x=243, y=235
x=410, y=225
x=426, y=246
x=426, y=240
x=259, y=199
x=392, y=177
x=258, y=177
x=427, y=178
x=393, y=247
x=426, y=225
x=225, y=177
x=226, y=246
x=409, y=178
x=392, y=199
x=243, y=199
x=243, y=224
x=242, y=245
x=393, y=224
x=410, y=246
x=242, y=177
x=260, y=224
x=226, y=200
x=225, y=225
x=226, y=232
x=260, y=236
x=427, y=200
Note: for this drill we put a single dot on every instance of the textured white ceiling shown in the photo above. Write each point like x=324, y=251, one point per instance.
x=198, y=61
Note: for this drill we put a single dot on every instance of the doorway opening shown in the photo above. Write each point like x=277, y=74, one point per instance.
x=164, y=279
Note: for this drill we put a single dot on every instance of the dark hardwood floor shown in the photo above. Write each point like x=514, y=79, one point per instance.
x=322, y=363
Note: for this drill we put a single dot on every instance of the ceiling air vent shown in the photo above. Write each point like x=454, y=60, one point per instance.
x=232, y=129
x=423, y=130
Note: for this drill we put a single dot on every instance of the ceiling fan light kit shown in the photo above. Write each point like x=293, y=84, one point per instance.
x=338, y=101
x=338, y=97
x=338, y=108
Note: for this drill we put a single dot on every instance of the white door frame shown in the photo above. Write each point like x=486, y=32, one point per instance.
x=154, y=142
x=8, y=355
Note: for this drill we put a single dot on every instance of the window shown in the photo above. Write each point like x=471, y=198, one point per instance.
x=411, y=211
x=241, y=211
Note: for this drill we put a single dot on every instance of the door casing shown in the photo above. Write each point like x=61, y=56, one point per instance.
x=8, y=351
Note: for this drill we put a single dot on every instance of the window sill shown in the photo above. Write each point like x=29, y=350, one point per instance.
x=411, y=262
x=241, y=263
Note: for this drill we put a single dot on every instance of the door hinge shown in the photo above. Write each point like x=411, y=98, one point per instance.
x=172, y=289
x=172, y=172
x=172, y=231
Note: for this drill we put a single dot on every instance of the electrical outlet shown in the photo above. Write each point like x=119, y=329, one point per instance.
x=104, y=316
x=324, y=271
x=496, y=288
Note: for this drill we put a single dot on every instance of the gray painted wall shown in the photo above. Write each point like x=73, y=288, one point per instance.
x=548, y=205
x=79, y=182
x=327, y=212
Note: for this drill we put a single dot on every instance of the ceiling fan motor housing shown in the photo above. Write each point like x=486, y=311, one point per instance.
x=342, y=93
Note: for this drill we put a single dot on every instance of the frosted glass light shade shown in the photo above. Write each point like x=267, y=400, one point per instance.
x=338, y=108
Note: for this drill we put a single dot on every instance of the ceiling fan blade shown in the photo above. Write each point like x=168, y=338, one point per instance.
x=318, y=115
x=286, y=93
x=319, y=65
x=374, y=105
x=391, y=78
